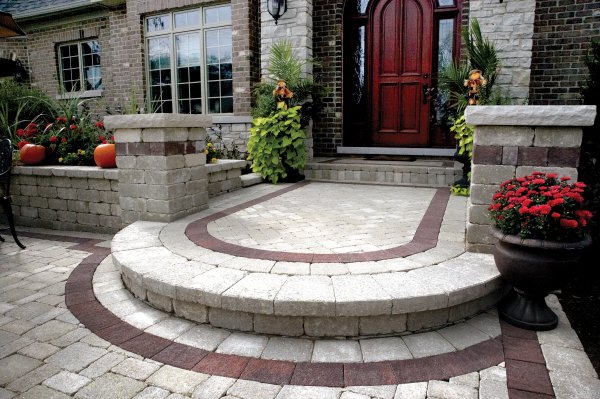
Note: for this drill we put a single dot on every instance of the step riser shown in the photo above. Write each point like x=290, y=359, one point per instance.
x=426, y=177
x=314, y=326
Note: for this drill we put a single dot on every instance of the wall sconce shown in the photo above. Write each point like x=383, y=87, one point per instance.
x=276, y=8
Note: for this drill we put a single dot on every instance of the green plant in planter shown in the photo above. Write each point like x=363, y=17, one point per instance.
x=463, y=133
x=276, y=144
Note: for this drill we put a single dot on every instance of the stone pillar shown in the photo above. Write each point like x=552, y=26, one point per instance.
x=516, y=140
x=162, y=172
x=509, y=25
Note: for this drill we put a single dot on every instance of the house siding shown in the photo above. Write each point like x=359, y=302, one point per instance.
x=563, y=33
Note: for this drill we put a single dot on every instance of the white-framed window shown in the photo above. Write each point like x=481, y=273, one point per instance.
x=79, y=65
x=189, y=61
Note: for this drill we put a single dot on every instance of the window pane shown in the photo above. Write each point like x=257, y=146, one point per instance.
x=216, y=15
x=157, y=23
x=213, y=89
x=218, y=60
x=227, y=105
x=226, y=88
x=70, y=67
x=194, y=74
x=196, y=106
x=159, y=62
x=91, y=65
x=187, y=18
x=188, y=49
x=214, y=106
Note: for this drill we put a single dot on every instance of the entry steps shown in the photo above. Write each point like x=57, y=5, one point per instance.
x=426, y=172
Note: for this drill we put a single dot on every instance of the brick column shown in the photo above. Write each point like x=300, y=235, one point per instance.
x=513, y=141
x=162, y=172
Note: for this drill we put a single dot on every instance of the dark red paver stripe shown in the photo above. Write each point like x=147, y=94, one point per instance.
x=425, y=237
x=224, y=365
x=275, y=372
x=179, y=355
x=526, y=372
x=146, y=345
x=319, y=374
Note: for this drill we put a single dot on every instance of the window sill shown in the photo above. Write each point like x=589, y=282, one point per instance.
x=80, y=94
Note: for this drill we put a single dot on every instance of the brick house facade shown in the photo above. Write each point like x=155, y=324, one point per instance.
x=541, y=44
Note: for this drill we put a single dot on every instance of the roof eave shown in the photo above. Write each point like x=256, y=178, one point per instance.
x=45, y=12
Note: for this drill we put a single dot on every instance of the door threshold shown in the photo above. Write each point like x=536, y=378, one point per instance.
x=430, y=152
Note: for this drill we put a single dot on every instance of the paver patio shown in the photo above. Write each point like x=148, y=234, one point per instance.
x=68, y=326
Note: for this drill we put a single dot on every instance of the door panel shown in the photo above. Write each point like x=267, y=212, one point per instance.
x=400, y=58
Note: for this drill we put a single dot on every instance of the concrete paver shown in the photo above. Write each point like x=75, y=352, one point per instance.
x=38, y=361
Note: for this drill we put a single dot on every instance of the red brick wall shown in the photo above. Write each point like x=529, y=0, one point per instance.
x=563, y=32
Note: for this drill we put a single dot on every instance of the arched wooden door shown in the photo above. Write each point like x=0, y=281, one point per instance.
x=399, y=43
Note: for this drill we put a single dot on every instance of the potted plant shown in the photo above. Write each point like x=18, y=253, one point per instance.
x=541, y=225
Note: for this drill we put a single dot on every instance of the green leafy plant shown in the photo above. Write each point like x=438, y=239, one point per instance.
x=276, y=144
x=460, y=191
x=463, y=133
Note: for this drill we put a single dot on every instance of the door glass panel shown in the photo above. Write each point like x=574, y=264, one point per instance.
x=444, y=59
x=446, y=3
x=445, y=43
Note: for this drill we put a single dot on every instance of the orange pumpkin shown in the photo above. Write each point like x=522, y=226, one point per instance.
x=32, y=154
x=105, y=156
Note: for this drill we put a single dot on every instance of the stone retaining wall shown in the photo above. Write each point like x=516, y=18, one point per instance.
x=513, y=141
x=224, y=176
x=80, y=198
x=86, y=198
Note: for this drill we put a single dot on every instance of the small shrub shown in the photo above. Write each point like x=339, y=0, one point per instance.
x=276, y=144
x=20, y=105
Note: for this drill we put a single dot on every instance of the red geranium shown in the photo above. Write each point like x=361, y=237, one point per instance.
x=541, y=206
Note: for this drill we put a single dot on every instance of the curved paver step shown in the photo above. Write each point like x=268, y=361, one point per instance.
x=314, y=305
x=365, y=293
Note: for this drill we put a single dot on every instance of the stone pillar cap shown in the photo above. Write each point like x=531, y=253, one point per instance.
x=143, y=121
x=531, y=115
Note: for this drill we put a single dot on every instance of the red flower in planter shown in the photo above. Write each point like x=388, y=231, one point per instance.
x=541, y=206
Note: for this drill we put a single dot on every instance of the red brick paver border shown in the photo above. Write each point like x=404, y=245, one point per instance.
x=425, y=237
x=527, y=375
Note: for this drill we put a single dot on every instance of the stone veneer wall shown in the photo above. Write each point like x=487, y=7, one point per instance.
x=509, y=25
x=66, y=198
x=295, y=26
x=513, y=141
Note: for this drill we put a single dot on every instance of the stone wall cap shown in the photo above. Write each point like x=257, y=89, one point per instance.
x=156, y=120
x=531, y=115
x=232, y=119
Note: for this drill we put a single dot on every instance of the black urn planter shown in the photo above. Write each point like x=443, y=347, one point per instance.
x=466, y=161
x=534, y=268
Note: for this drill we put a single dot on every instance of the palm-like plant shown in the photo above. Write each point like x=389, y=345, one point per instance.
x=284, y=65
x=482, y=55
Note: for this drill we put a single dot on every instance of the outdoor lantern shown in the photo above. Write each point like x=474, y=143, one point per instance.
x=276, y=8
